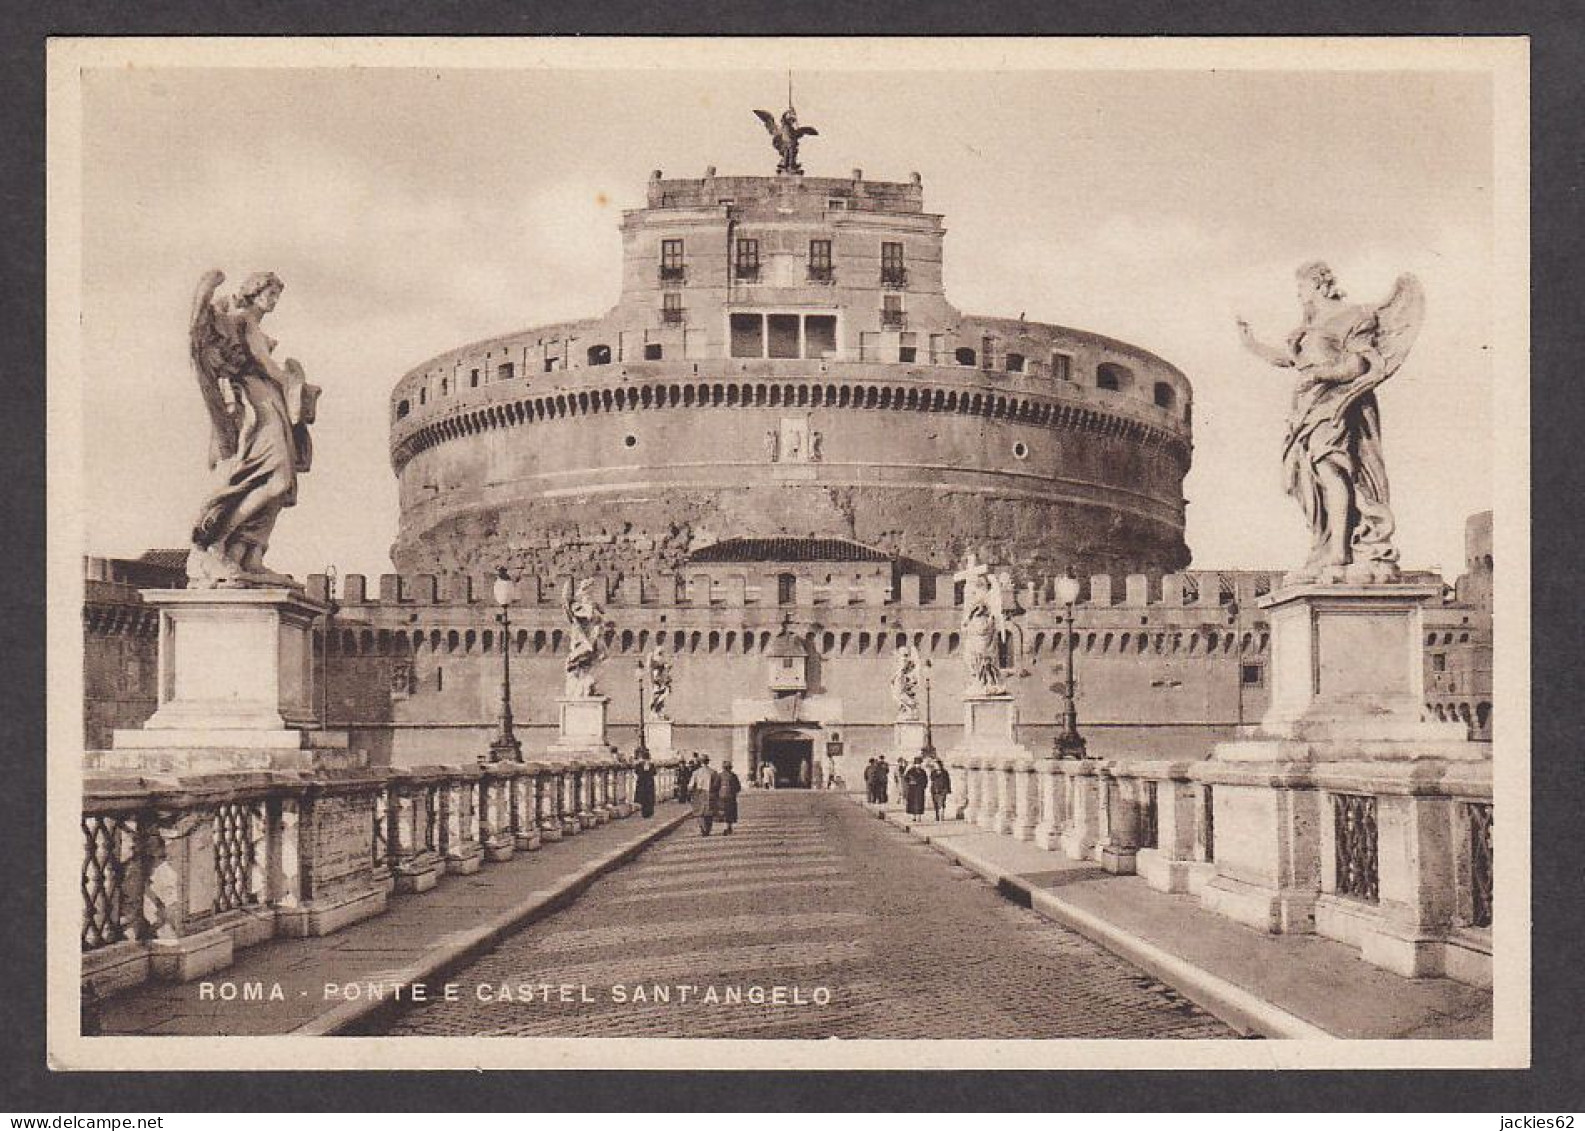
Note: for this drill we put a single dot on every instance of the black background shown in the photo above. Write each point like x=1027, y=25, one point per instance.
x=1555, y=1082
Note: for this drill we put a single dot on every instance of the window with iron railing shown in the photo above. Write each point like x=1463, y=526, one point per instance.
x=892, y=314
x=671, y=306
x=671, y=261
x=893, y=273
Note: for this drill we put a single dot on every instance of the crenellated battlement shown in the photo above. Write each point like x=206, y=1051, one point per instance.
x=813, y=586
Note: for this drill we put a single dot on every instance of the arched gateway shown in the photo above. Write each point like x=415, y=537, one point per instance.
x=790, y=748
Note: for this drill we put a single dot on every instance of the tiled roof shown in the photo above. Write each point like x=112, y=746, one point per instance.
x=166, y=559
x=788, y=550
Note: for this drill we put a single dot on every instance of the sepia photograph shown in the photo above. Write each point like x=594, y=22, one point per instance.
x=789, y=553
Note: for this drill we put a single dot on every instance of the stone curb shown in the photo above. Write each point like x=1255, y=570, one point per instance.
x=462, y=946
x=1227, y=1001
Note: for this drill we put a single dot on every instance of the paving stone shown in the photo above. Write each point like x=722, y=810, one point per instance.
x=905, y=944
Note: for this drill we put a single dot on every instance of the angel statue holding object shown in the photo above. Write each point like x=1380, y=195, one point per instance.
x=588, y=624
x=1332, y=458
x=259, y=413
x=905, y=684
x=659, y=668
x=984, y=624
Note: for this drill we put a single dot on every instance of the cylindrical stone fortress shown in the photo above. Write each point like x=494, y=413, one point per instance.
x=784, y=362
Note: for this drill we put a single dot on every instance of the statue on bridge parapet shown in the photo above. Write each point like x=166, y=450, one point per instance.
x=587, y=625
x=259, y=414
x=905, y=684
x=1332, y=458
x=984, y=627
x=658, y=666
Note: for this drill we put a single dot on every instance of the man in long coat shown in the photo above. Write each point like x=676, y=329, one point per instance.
x=940, y=788
x=915, y=780
x=705, y=788
x=730, y=785
x=644, y=786
x=883, y=775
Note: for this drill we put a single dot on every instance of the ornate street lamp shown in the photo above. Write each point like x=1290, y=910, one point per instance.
x=642, y=750
x=1069, y=743
x=929, y=750
x=505, y=747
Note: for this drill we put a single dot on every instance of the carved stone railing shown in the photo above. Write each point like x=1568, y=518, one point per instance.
x=178, y=873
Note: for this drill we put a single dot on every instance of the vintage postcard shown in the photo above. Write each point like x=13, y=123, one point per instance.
x=788, y=553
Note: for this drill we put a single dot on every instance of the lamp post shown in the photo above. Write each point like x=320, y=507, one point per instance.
x=929, y=750
x=1069, y=743
x=505, y=747
x=642, y=750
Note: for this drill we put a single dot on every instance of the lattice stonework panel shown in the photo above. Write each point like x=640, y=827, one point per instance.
x=234, y=856
x=1354, y=819
x=108, y=851
x=1480, y=864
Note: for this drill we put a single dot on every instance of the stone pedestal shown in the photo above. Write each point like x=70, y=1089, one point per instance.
x=581, y=735
x=1347, y=667
x=990, y=723
x=1345, y=751
x=236, y=687
x=910, y=739
x=990, y=751
x=658, y=740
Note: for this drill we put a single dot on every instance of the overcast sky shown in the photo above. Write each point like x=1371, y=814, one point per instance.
x=411, y=211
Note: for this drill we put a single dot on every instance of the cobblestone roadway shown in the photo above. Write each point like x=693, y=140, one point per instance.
x=809, y=892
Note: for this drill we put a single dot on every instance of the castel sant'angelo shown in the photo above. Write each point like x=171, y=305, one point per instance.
x=785, y=364
x=769, y=460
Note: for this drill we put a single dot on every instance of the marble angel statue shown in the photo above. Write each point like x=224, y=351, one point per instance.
x=905, y=684
x=1332, y=457
x=259, y=413
x=984, y=626
x=658, y=667
x=587, y=626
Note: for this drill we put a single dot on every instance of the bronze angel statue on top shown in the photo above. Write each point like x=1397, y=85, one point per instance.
x=259, y=413
x=1332, y=457
x=785, y=136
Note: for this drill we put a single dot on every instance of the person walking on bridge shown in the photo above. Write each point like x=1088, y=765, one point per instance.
x=730, y=786
x=940, y=787
x=915, y=781
x=705, y=787
x=644, y=785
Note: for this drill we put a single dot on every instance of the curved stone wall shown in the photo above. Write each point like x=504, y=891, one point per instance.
x=636, y=465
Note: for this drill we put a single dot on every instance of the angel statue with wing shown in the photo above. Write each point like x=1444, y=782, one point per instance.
x=905, y=684
x=259, y=413
x=658, y=665
x=587, y=624
x=1332, y=457
x=785, y=136
x=984, y=626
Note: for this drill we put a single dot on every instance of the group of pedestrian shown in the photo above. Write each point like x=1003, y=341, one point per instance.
x=913, y=780
x=712, y=793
